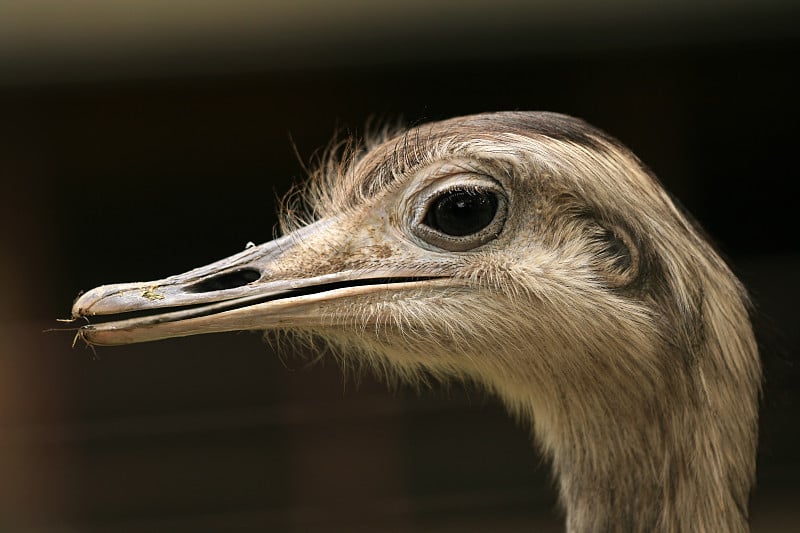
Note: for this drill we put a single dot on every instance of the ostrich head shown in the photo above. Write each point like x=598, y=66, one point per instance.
x=527, y=252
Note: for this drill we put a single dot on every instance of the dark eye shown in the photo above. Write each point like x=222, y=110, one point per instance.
x=460, y=212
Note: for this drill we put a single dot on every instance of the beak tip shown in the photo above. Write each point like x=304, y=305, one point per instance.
x=103, y=299
x=82, y=304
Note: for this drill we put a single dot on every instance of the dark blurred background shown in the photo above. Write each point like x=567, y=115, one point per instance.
x=140, y=139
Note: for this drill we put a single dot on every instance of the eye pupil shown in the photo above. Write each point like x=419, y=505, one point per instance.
x=462, y=212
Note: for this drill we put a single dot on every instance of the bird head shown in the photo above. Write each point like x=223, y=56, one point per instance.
x=526, y=251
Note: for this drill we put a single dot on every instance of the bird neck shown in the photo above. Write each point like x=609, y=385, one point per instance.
x=671, y=474
x=680, y=459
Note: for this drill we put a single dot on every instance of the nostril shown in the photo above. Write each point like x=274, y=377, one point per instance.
x=229, y=280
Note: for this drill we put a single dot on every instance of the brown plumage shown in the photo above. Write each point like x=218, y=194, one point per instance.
x=527, y=252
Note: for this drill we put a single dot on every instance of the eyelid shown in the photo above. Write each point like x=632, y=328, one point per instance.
x=437, y=172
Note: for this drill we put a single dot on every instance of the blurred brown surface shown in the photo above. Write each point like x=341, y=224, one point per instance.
x=138, y=177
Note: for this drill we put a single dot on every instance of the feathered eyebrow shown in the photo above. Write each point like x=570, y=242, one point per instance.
x=412, y=152
x=398, y=157
x=417, y=147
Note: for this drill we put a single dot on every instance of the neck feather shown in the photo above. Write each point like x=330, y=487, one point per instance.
x=676, y=453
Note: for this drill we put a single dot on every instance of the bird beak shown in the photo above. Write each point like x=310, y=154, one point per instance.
x=285, y=283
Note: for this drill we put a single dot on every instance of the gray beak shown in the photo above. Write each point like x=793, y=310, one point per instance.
x=286, y=283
